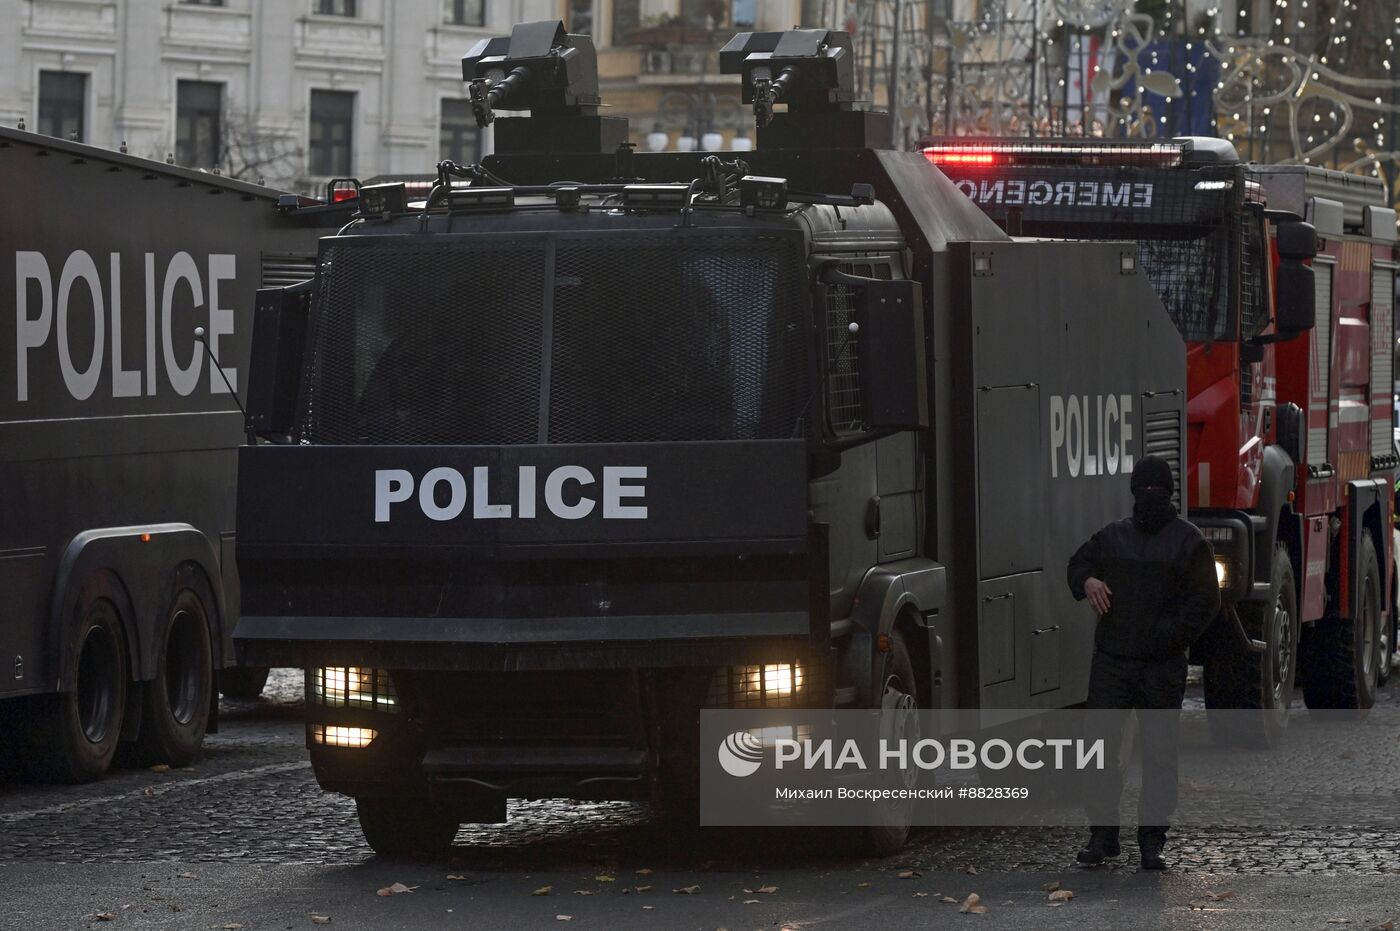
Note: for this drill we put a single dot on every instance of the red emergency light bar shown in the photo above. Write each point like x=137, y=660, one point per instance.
x=1063, y=152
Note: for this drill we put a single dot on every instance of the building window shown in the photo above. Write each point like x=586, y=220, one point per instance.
x=198, y=123
x=459, y=140
x=464, y=12
x=627, y=18
x=335, y=7
x=745, y=14
x=62, y=104
x=332, y=122
x=581, y=17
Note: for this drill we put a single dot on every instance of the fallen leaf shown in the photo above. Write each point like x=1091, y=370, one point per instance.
x=647, y=908
x=583, y=892
x=767, y=890
x=542, y=890
x=862, y=885
x=605, y=878
x=909, y=874
x=751, y=901
x=320, y=919
x=232, y=926
x=687, y=890
x=103, y=916
x=1221, y=896
x=644, y=871
x=187, y=876
x=970, y=870
x=1339, y=921
x=148, y=791
x=921, y=895
x=1056, y=904
x=563, y=917
x=395, y=889
x=647, y=888
x=972, y=905
x=161, y=768
x=1061, y=895
x=948, y=900
x=455, y=876
x=1050, y=887
x=1385, y=926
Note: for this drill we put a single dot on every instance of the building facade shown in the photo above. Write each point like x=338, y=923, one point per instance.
x=292, y=92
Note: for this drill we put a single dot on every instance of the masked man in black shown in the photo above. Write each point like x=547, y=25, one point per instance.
x=1151, y=579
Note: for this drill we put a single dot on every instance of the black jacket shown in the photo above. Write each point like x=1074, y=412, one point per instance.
x=1164, y=587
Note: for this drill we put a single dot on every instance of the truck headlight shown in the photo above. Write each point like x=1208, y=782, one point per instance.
x=353, y=687
x=772, y=685
x=355, y=738
x=1222, y=571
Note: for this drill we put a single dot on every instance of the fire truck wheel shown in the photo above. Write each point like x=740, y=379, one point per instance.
x=244, y=683
x=72, y=736
x=175, y=704
x=899, y=706
x=1257, y=681
x=1341, y=655
x=397, y=828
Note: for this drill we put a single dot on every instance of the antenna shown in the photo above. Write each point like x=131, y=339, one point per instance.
x=209, y=351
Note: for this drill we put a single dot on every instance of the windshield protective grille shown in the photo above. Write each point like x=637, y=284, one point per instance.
x=603, y=338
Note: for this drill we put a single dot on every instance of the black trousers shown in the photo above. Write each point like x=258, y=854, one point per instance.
x=1117, y=684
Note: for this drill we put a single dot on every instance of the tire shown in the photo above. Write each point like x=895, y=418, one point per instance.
x=900, y=701
x=1341, y=655
x=175, y=704
x=243, y=683
x=398, y=829
x=72, y=736
x=1257, y=681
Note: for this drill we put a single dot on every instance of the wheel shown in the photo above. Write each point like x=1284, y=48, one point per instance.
x=175, y=704
x=899, y=720
x=244, y=683
x=399, y=828
x=1342, y=655
x=1262, y=681
x=72, y=736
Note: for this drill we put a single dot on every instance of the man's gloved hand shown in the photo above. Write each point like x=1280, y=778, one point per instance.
x=1098, y=594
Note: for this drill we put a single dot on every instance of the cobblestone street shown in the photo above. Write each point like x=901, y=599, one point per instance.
x=252, y=805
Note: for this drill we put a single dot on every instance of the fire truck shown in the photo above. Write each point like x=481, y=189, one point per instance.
x=118, y=431
x=1281, y=280
x=588, y=440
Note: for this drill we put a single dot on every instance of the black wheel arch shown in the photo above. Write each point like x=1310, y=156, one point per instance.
x=137, y=567
x=895, y=596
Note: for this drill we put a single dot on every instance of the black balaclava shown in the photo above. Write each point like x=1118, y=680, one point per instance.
x=1152, y=494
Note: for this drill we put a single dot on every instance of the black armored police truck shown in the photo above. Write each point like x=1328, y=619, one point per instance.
x=118, y=439
x=590, y=440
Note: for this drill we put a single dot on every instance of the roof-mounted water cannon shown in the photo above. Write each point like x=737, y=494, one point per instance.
x=812, y=72
x=541, y=68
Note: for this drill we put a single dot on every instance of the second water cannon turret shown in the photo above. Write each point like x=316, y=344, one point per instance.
x=812, y=73
x=541, y=68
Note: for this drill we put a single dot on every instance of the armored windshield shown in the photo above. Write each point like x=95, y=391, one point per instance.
x=604, y=336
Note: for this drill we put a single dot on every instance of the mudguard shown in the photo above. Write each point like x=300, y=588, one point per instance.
x=1277, y=477
x=132, y=566
x=917, y=585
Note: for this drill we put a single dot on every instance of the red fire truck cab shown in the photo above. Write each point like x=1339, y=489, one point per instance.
x=1281, y=280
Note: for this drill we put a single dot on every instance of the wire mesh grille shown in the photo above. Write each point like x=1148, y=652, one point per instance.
x=1254, y=266
x=774, y=685
x=353, y=687
x=615, y=337
x=1192, y=277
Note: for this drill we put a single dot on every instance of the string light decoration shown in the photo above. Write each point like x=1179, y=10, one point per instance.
x=1289, y=81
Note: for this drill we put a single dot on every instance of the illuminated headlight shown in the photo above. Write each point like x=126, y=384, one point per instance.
x=773, y=685
x=353, y=687
x=1222, y=571
x=355, y=738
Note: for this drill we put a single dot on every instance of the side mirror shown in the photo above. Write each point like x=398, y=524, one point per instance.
x=890, y=350
x=281, y=318
x=1296, y=299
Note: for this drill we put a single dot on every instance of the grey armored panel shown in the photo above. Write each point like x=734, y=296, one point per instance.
x=942, y=212
x=1066, y=371
x=1289, y=186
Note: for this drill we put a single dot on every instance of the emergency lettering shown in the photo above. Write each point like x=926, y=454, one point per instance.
x=1045, y=193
